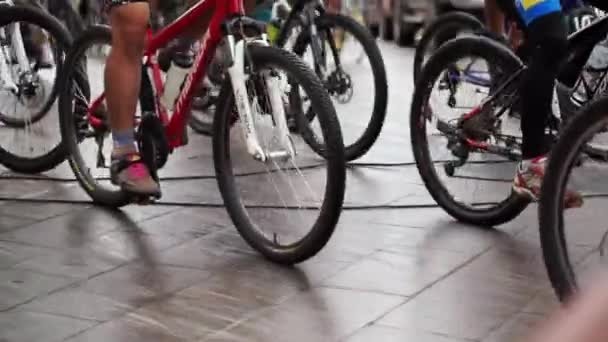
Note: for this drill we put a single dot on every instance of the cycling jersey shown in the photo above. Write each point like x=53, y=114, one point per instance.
x=530, y=10
x=526, y=11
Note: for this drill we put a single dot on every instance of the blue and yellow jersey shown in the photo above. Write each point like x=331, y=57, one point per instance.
x=529, y=10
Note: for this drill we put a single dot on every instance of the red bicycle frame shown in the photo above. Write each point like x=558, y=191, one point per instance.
x=174, y=126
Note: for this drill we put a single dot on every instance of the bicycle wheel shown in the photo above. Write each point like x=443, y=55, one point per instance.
x=480, y=151
x=88, y=146
x=241, y=179
x=574, y=242
x=442, y=29
x=30, y=140
x=351, y=76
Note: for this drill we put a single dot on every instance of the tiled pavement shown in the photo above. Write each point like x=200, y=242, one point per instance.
x=168, y=273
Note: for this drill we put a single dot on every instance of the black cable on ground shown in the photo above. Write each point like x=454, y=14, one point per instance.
x=219, y=205
x=247, y=174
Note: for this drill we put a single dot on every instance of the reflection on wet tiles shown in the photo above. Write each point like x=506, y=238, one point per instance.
x=130, y=328
x=66, y=231
x=321, y=314
x=516, y=329
x=128, y=245
x=14, y=253
x=77, y=263
x=389, y=334
x=36, y=211
x=20, y=286
x=468, y=304
x=74, y=302
x=21, y=326
x=543, y=303
x=399, y=274
x=215, y=251
x=9, y=223
x=138, y=283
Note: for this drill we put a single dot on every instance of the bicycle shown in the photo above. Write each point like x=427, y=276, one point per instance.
x=310, y=31
x=251, y=86
x=450, y=25
x=28, y=87
x=481, y=137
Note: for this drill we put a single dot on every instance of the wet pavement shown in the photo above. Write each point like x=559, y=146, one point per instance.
x=399, y=272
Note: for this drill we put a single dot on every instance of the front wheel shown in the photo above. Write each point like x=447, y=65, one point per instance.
x=269, y=220
x=575, y=241
x=29, y=130
x=354, y=76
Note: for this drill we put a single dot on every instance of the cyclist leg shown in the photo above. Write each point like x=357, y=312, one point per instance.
x=546, y=36
x=129, y=22
x=495, y=17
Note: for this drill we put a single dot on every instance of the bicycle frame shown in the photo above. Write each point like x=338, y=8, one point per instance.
x=224, y=11
x=580, y=46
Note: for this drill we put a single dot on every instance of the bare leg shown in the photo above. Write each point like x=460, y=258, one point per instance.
x=122, y=82
x=495, y=19
x=123, y=66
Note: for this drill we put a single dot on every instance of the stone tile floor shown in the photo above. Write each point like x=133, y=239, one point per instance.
x=170, y=273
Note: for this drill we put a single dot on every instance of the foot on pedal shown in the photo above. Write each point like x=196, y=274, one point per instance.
x=131, y=174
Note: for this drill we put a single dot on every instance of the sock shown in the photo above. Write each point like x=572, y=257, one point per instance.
x=124, y=142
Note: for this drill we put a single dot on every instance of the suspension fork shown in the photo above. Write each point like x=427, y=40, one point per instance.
x=238, y=79
x=5, y=60
x=17, y=43
x=316, y=47
x=18, y=46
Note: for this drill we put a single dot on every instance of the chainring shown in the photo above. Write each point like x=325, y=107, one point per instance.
x=153, y=143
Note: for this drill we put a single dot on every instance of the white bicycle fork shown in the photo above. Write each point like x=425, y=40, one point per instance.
x=238, y=79
x=16, y=44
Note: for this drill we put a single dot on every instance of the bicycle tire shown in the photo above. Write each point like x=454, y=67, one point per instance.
x=331, y=208
x=19, y=123
x=44, y=20
x=451, y=21
x=93, y=35
x=374, y=127
x=487, y=49
x=551, y=227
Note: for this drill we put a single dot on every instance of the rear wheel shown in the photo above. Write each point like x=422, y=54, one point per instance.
x=296, y=225
x=463, y=177
x=88, y=146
